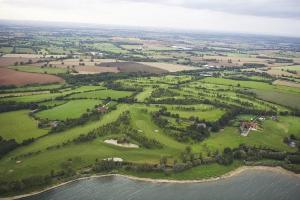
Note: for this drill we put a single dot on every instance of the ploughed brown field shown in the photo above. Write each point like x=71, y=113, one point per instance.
x=8, y=61
x=12, y=77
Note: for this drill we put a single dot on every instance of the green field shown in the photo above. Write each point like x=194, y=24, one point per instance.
x=251, y=84
x=101, y=94
x=270, y=135
x=70, y=110
x=19, y=126
x=204, y=112
x=32, y=98
x=281, y=98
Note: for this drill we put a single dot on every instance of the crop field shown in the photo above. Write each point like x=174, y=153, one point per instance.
x=12, y=77
x=69, y=110
x=19, y=125
x=287, y=83
x=42, y=70
x=7, y=61
x=281, y=98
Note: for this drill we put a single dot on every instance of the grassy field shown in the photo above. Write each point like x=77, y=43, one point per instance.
x=34, y=88
x=202, y=111
x=19, y=126
x=271, y=135
x=281, y=98
x=32, y=98
x=251, y=84
x=53, y=103
x=101, y=94
x=108, y=47
x=200, y=172
x=145, y=94
x=70, y=110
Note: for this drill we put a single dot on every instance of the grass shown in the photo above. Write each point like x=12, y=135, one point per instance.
x=34, y=88
x=145, y=94
x=281, y=98
x=141, y=120
x=6, y=49
x=271, y=136
x=109, y=47
x=70, y=110
x=53, y=103
x=24, y=50
x=205, y=112
x=101, y=94
x=19, y=126
x=32, y=98
x=49, y=96
x=195, y=173
x=251, y=84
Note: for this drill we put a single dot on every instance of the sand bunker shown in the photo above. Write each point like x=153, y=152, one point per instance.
x=126, y=145
x=115, y=159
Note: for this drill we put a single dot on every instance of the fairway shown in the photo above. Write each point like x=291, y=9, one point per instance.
x=101, y=94
x=19, y=126
x=70, y=110
x=203, y=112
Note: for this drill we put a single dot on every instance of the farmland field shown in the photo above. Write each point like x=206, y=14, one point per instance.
x=69, y=110
x=12, y=77
x=42, y=70
x=18, y=125
x=101, y=94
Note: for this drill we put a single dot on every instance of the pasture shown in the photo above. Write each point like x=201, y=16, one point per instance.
x=101, y=94
x=202, y=111
x=19, y=125
x=70, y=110
x=169, y=67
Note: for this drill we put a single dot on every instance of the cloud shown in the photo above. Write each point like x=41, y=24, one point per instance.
x=214, y=15
x=267, y=8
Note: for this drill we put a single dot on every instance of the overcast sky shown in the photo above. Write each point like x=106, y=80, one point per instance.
x=277, y=17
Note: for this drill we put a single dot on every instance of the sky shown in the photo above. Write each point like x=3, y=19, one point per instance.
x=274, y=17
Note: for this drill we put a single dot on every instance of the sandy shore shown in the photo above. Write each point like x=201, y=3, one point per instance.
x=227, y=175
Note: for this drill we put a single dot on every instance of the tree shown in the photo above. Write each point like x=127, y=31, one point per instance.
x=163, y=160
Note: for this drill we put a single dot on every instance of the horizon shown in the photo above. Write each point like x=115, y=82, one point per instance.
x=57, y=24
x=281, y=18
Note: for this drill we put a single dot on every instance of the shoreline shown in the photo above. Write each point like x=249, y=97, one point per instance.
x=227, y=175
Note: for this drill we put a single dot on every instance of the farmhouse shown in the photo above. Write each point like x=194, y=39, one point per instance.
x=246, y=127
x=102, y=109
x=54, y=124
x=201, y=125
